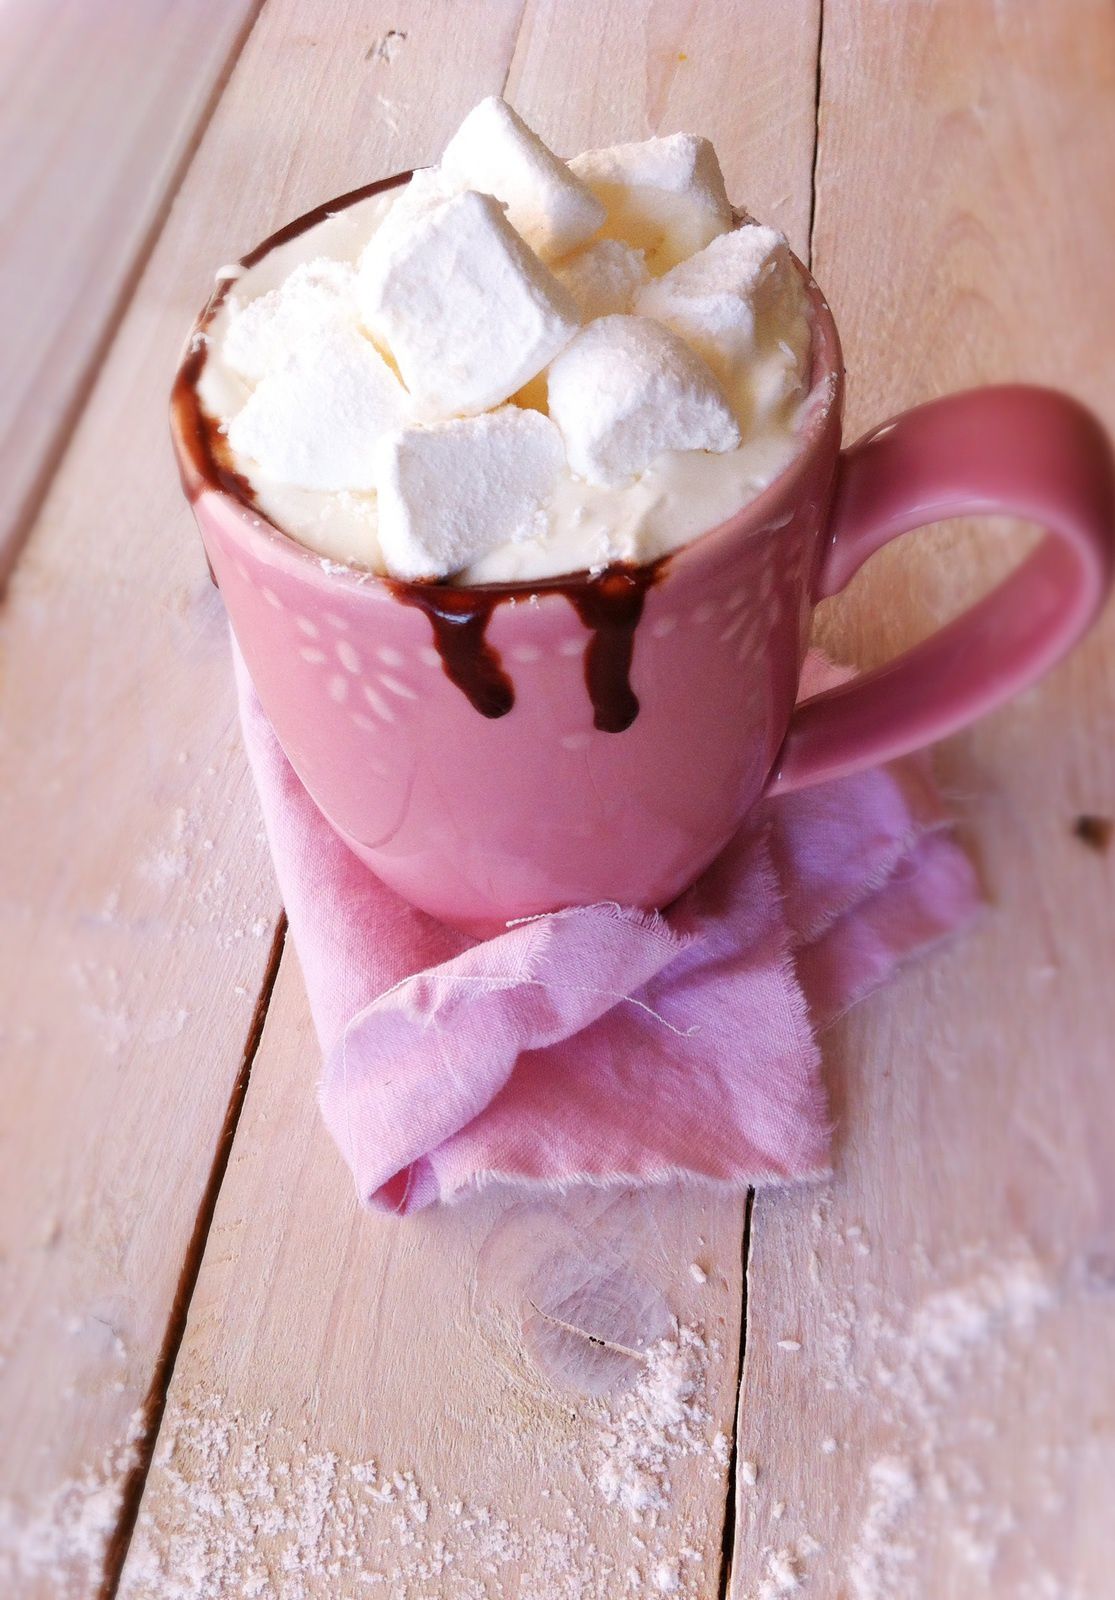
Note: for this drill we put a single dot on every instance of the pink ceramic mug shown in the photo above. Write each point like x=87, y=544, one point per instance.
x=492, y=753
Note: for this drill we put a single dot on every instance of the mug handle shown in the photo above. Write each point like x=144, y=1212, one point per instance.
x=1013, y=450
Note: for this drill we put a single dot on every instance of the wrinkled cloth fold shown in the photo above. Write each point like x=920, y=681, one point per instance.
x=601, y=1044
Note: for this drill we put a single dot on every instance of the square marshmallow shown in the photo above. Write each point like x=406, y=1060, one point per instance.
x=316, y=296
x=665, y=196
x=494, y=152
x=467, y=311
x=627, y=389
x=451, y=491
x=741, y=304
x=313, y=421
x=603, y=277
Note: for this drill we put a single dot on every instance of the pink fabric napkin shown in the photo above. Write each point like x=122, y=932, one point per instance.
x=603, y=1045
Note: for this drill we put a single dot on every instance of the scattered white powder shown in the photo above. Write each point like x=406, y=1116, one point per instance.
x=244, y=1509
x=879, y=1557
x=932, y=1373
x=102, y=1004
x=749, y=1473
x=662, y=1420
x=782, y=1576
x=165, y=867
x=953, y=1322
x=783, y=1568
x=59, y=1542
x=166, y=1025
x=667, y=1577
x=789, y=1344
x=239, y=1509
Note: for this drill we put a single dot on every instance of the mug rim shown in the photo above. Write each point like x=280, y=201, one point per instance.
x=823, y=402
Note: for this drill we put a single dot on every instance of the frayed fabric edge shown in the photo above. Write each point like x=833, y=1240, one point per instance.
x=479, y=1182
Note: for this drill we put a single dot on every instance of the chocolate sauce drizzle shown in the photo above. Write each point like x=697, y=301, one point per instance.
x=459, y=619
x=610, y=606
x=203, y=458
x=609, y=603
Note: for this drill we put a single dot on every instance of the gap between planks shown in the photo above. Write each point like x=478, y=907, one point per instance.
x=28, y=510
x=728, y=1531
x=154, y=1403
x=817, y=91
x=943, y=1070
x=728, y=1538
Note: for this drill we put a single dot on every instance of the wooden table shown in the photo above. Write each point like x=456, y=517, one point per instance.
x=219, y=1376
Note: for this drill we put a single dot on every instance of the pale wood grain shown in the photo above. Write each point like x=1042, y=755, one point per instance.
x=98, y=107
x=964, y=230
x=331, y=1333
x=137, y=902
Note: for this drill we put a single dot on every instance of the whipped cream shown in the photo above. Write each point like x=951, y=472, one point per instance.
x=361, y=367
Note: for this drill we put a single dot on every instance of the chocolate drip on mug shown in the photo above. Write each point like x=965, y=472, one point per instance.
x=203, y=459
x=459, y=619
x=608, y=603
x=610, y=606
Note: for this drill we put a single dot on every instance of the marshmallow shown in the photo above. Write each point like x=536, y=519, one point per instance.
x=451, y=491
x=603, y=277
x=316, y=296
x=741, y=304
x=665, y=196
x=627, y=389
x=313, y=422
x=426, y=188
x=466, y=310
x=494, y=152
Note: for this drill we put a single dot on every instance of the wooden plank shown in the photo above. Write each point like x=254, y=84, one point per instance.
x=99, y=105
x=137, y=904
x=449, y=1349
x=944, y=1429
